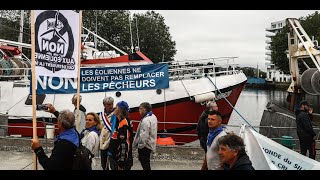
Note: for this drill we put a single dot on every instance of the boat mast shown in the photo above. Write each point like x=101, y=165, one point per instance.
x=130, y=34
x=21, y=29
x=137, y=34
x=95, y=37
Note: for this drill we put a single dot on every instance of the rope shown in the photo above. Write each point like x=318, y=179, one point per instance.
x=232, y=106
x=27, y=166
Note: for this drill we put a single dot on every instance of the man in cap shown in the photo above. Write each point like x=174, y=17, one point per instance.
x=305, y=131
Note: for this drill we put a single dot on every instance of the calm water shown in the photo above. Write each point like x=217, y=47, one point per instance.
x=252, y=103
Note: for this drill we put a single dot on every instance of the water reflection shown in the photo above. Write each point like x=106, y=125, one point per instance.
x=252, y=103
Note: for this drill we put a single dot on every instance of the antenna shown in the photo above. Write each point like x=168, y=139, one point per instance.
x=130, y=34
x=137, y=33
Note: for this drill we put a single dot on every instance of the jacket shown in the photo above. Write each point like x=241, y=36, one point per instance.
x=81, y=122
x=304, y=126
x=105, y=135
x=62, y=153
x=146, y=135
x=243, y=163
x=202, y=127
x=121, y=143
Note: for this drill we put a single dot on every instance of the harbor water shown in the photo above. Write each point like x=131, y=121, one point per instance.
x=252, y=103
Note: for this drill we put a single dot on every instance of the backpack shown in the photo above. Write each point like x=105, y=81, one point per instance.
x=82, y=158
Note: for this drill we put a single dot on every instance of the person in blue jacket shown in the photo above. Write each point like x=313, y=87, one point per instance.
x=65, y=145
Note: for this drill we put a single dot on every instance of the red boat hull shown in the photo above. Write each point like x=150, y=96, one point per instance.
x=179, y=116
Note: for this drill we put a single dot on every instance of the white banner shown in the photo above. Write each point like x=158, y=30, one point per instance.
x=266, y=154
x=57, y=43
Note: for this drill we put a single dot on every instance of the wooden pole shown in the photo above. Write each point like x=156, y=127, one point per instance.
x=79, y=63
x=34, y=102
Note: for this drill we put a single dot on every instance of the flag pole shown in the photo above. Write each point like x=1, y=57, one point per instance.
x=79, y=63
x=34, y=102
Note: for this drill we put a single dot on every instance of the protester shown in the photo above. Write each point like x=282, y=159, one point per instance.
x=305, y=131
x=212, y=160
x=232, y=153
x=146, y=135
x=79, y=124
x=81, y=121
x=90, y=136
x=65, y=145
x=202, y=127
x=122, y=138
x=109, y=123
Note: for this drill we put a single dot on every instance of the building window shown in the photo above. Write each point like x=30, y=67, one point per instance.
x=273, y=26
x=280, y=79
x=269, y=75
x=284, y=79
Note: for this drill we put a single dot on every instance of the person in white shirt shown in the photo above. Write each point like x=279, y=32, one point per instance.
x=90, y=135
x=146, y=136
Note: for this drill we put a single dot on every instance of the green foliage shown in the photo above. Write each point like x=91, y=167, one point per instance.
x=113, y=25
x=154, y=37
x=279, y=46
x=248, y=71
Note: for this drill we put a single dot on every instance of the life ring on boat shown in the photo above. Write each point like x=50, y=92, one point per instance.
x=165, y=141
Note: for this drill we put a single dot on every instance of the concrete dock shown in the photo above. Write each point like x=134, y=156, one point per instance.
x=16, y=154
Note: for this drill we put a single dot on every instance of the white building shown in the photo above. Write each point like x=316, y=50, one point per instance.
x=273, y=74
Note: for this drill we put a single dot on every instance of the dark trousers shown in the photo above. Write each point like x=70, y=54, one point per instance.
x=113, y=165
x=308, y=144
x=104, y=159
x=144, y=158
x=203, y=143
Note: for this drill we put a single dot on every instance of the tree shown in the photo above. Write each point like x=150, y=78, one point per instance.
x=248, y=71
x=154, y=37
x=155, y=40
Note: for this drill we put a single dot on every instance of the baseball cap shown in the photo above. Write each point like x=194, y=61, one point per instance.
x=304, y=102
x=123, y=105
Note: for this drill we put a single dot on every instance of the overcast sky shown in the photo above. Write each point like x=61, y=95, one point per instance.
x=218, y=33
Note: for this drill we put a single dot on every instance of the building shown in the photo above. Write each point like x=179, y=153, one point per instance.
x=273, y=74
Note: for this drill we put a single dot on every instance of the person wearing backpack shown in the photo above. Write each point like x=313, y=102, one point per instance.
x=121, y=141
x=65, y=145
x=90, y=135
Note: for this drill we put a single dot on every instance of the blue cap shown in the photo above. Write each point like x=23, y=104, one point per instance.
x=123, y=105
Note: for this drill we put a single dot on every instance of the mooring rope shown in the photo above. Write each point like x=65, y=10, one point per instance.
x=231, y=104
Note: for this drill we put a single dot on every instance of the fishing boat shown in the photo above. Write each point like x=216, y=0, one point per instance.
x=192, y=83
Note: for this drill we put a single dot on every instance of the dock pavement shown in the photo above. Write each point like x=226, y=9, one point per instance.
x=16, y=154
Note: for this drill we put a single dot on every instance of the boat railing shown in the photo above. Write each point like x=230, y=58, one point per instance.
x=188, y=69
x=229, y=129
x=194, y=69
